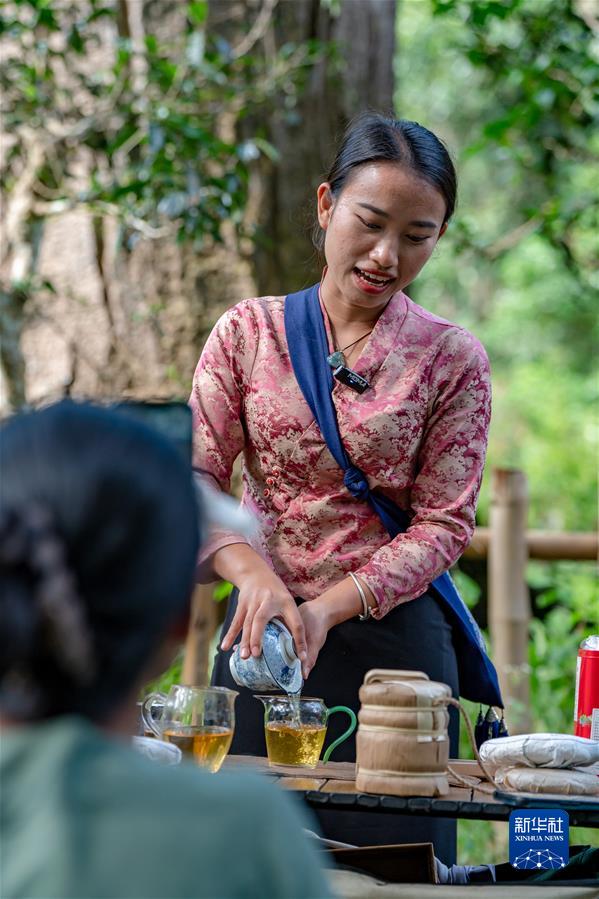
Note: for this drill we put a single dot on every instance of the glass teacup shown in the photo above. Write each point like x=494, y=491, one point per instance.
x=295, y=728
x=199, y=720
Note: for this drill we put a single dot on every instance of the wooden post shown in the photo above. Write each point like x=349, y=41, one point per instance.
x=509, y=602
x=202, y=625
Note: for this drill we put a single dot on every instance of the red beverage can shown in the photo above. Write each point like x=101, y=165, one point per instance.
x=586, y=700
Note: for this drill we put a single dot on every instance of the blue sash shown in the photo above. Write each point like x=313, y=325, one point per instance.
x=308, y=349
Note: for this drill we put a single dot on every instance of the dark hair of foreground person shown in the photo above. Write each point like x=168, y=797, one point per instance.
x=88, y=496
x=98, y=542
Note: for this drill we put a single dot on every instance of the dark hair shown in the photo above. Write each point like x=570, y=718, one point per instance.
x=98, y=541
x=372, y=137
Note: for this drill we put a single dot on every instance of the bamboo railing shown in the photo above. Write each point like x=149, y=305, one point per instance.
x=575, y=546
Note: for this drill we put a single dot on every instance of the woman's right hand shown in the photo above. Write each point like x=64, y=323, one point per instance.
x=262, y=596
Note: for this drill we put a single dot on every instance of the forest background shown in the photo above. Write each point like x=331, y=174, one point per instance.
x=158, y=164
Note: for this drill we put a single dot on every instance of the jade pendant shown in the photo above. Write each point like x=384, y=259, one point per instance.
x=336, y=359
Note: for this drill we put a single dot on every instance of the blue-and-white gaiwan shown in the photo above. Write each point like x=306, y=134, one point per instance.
x=277, y=667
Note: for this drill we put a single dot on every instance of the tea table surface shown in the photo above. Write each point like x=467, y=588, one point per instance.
x=333, y=785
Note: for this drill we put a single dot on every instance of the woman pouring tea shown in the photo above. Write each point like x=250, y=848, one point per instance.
x=362, y=419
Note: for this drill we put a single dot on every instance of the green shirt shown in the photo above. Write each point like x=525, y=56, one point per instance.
x=85, y=817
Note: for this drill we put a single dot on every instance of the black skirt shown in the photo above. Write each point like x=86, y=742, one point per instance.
x=414, y=636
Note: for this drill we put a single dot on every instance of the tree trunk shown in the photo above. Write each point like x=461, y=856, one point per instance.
x=132, y=321
x=356, y=73
x=12, y=361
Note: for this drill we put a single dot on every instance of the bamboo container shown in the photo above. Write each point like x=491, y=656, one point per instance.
x=402, y=741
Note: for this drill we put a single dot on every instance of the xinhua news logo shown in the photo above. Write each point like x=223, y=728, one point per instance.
x=539, y=838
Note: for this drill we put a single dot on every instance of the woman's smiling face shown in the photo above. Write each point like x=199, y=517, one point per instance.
x=379, y=232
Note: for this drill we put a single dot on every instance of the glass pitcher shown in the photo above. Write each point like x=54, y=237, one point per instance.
x=199, y=720
x=295, y=728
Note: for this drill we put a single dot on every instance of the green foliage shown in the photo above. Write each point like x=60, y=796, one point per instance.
x=570, y=600
x=544, y=423
x=537, y=60
x=147, y=120
x=516, y=266
x=567, y=596
x=222, y=591
x=482, y=842
x=513, y=87
x=468, y=588
x=165, y=681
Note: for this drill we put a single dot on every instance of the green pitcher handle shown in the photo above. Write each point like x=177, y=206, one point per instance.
x=348, y=732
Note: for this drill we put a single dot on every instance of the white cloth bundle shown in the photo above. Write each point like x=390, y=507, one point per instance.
x=568, y=782
x=539, y=751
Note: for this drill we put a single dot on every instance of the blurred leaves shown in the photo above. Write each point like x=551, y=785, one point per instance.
x=571, y=599
x=222, y=590
x=513, y=88
x=146, y=119
x=468, y=589
x=539, y=62
x=166, y=680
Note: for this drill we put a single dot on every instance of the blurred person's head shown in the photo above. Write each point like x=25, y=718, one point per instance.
x=98, y=542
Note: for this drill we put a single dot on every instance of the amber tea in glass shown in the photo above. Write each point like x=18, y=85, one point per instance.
x=295, y=728
x=199, y=720
x=207, y=746
x=294, y=744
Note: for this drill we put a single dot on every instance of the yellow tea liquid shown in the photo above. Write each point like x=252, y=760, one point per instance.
x=289, y=744
x=207, y=746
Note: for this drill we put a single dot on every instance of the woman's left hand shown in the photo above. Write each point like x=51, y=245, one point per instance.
x=316, y=625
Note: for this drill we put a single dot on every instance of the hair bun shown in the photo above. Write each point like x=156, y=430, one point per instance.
x=46, y=614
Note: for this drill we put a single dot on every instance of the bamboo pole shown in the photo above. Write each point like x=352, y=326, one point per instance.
x=577, y=546
x=202, y=625
x=509, y=603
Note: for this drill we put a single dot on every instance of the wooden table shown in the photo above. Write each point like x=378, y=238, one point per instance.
x=333, y=786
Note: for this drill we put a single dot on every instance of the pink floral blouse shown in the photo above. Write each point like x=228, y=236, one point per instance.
x=419, y=433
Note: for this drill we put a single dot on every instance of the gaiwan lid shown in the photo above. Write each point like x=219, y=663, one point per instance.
x=279, y=655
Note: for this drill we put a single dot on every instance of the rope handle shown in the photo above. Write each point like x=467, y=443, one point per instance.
x=459, y=778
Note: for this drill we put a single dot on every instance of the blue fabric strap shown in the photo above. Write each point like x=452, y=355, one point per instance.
x=308, y=350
